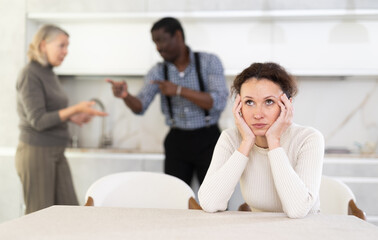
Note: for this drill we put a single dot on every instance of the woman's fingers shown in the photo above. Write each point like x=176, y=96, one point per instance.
x=95, y=112
x=99, y=113
x=242, y=126
x=287, y=102
x=288, y=108
x=87, y=107
x=236, y=102
x=283, y=110
x=237, y=107
x=286, y=115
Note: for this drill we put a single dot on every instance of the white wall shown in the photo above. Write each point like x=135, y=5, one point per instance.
x=12, y=58
x=327, y=103
x=190, y=5
x=331, y=102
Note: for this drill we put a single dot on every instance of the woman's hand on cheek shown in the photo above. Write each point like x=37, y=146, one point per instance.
x=284, y=120
x=248, y=138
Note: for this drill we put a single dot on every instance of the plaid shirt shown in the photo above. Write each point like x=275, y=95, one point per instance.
x=186, y=114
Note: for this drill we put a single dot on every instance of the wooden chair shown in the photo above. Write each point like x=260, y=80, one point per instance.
x=141, y=190
x=335, y=198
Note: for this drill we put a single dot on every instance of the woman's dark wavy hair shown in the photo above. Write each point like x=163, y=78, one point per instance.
x=170, y=25
x=269, y=70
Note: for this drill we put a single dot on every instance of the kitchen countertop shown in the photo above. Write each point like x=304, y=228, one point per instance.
x=10, y=151
x=108, y=150
x=135, y=152
x=112, y=153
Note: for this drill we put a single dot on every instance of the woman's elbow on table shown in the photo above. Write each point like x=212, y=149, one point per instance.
x=300, y=208
x=211, y=208
x=297, y=213
x=211, y=205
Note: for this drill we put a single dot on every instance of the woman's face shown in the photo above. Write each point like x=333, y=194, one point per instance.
x=259, y=104
x=56, y=50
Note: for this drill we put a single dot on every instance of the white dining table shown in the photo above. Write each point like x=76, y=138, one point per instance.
x=76, y=222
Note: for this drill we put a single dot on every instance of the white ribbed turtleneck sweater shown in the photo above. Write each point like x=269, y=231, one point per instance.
x=286, y=179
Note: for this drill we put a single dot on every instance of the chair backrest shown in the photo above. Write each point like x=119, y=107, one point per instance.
x=334, y=196
x=140, y=190
x=337, y=198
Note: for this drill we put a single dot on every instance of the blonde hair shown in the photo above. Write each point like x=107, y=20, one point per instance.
x=45, y=33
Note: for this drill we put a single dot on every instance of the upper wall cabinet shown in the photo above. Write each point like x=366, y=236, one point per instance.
x=104, y=47
x=307, y=43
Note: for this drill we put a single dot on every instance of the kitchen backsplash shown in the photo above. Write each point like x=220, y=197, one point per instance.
x=343, y=109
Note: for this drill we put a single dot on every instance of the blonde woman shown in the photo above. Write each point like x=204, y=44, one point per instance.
x=278, y=163
x=43, y=110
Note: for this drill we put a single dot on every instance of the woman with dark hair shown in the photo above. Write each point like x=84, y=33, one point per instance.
x=278, y=163
x=42, y=106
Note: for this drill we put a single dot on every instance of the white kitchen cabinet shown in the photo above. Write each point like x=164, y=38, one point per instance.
x=87, y=165
x=330, y=47
x=106, y=48
x=308, y=43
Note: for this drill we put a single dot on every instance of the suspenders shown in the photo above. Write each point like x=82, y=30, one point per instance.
x=168, y=97
x=201, y=84
x=200, y=80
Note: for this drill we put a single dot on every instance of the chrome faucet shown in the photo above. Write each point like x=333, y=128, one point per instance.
x=105, y=140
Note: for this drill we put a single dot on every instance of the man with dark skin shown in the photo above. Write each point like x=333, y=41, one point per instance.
x=191, y=113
